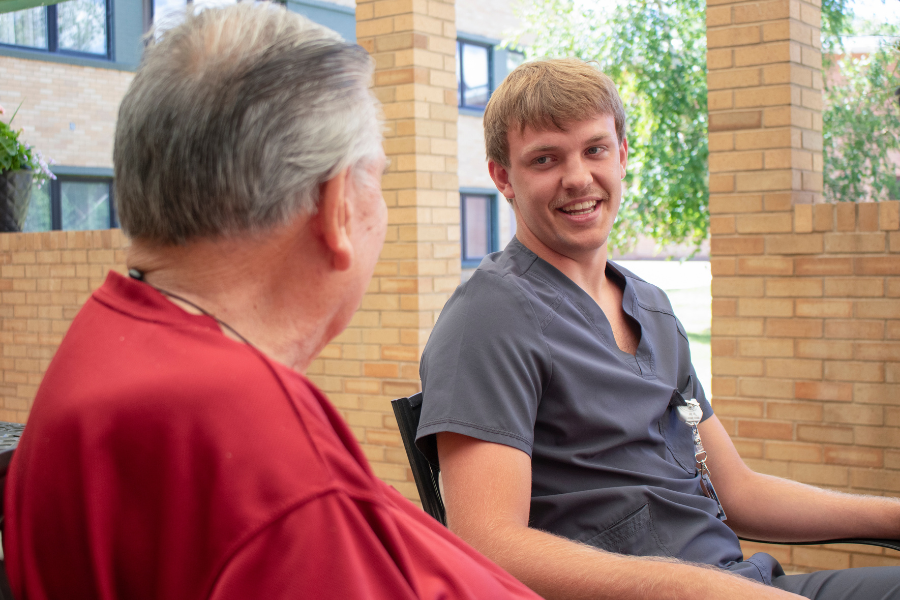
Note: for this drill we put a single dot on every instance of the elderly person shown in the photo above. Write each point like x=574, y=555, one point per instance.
x=175, y=450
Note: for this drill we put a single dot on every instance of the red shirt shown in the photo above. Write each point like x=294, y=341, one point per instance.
x=164, y=460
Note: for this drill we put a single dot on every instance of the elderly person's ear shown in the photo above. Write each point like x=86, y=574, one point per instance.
x=334, y=216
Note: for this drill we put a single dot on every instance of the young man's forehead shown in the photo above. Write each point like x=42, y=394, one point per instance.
x=605, y=127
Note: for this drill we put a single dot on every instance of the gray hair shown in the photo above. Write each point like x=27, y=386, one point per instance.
x=234, y=120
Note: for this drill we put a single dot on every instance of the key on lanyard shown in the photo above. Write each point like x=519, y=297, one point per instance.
x=691, y=414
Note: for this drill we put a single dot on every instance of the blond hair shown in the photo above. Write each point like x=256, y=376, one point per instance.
x=547, y=94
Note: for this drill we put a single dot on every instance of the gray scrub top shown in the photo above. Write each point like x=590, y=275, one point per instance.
x=524, y=357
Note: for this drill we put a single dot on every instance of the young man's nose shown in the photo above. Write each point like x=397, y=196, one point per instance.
x=577, y=175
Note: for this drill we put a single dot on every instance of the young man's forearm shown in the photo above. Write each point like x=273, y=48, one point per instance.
x=557, y=568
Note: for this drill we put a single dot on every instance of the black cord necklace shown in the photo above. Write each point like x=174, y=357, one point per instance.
x=138, y=275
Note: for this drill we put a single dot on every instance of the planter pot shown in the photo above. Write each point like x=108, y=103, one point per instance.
x=15, y=195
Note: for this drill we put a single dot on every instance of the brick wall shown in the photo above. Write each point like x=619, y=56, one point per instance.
x=806, y=316
x=44, y=280
x=68, y=112
x=806, y=352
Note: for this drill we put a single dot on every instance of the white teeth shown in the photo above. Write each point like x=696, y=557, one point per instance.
x=582, y=208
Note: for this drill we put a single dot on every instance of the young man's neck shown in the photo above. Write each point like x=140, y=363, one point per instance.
x=587, y=270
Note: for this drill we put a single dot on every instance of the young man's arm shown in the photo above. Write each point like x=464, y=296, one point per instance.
x=763, y=507
x=487, y=493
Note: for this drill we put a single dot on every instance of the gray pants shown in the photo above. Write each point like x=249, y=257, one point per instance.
x=865, y=583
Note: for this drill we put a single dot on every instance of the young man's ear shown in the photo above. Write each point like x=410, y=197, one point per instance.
x=623, y=156
x=500, y=175
x=334, y=215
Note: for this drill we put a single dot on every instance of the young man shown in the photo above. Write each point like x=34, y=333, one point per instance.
x=554, y=380
x=175, y=450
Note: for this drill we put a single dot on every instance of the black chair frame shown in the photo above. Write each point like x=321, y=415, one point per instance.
x=408, y=410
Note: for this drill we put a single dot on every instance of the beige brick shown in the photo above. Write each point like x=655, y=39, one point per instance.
x=867, y=216
x=793, y=451
x=824, y=434
x=824, y=266
x=877, y=351
x=765, y=429
x=824, y=308
x=881, y=265
x=765, y=307
x=817, y=349
x=854, y=329
x=765, y=387
x=883, y=437
x=736, y=366
x=742, y=245
x=764, y=223
x=839, y=243
x=766, y=348
x=794, y=411
x=724, y=326
x=794, y=367
x=769, y=265
x=737, y=286
x=793, y=287
x=738, y=120
x=854, y=288
x=735, y=204
x=794, y=328
x=739, y=408
x=794, y=244
x=853, y=456
x=854, y=371
x=854, y=414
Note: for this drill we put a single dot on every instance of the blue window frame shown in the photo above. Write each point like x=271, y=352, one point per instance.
x=478, y=225
x=473, y=74
x=78, y=28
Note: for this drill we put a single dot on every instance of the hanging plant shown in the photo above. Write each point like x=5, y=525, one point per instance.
x=21, y=167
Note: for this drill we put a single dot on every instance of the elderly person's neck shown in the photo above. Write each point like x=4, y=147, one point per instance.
x=275, y=289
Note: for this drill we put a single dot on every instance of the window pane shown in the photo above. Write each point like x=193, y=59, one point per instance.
x=82, y=25
x=24, y=28
x=162, y=8
x=84, y=205
x=476, y=227
x=475, y=73
x=38, y=218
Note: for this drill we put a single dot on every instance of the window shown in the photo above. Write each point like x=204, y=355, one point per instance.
x=480, y=65
x=486, y=223
x=76, y=27
x=473, y=74
x=477, y=221
x=72, y=204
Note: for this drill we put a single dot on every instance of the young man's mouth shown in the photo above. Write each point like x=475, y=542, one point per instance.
x=580, y=208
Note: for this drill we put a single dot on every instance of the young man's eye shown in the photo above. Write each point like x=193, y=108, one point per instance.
x=594, y=150
x=542, y=160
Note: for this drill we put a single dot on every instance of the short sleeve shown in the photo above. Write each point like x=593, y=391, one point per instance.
x=337, y=547
x=484, y=367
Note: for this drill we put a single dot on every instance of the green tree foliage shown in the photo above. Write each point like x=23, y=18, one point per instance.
x=655, y=51
x=861, y=117
x=861, y=126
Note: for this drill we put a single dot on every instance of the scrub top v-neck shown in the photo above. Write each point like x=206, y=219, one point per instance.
x=522, y=356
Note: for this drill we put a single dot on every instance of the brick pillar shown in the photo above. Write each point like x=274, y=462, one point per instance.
x=804, y=353
x=413, y=43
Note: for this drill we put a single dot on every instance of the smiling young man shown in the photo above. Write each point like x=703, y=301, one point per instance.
x=554, y=382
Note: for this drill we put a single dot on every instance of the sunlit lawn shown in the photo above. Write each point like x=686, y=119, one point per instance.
x=688, y=286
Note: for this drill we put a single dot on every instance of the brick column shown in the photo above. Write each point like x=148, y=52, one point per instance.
x=413, y=43
x=804, y=353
